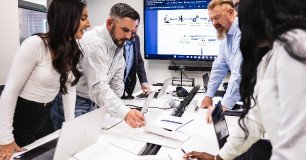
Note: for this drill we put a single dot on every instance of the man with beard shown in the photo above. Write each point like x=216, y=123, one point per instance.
x=103, y=68
x=224, y=19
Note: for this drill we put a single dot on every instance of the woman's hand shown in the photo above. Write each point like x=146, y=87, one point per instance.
x=6, y=151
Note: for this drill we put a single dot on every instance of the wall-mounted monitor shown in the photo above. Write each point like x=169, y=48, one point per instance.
x=179, y=30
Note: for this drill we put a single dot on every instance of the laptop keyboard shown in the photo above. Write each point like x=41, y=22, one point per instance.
x=45, y=151
x=46, y=156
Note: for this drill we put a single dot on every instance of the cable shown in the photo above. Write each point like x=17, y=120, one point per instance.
x=175, y=66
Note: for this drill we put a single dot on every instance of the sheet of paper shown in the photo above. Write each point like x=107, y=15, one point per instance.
x=110, y=121
x=149, y=157
x=157, y=139
x=157, y=135
x=153, y=128
x=133, y=146
x=198, y=126
x=172, y=122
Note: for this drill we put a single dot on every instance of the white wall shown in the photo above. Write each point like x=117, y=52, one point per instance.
x=9, y=36
x=157, y=70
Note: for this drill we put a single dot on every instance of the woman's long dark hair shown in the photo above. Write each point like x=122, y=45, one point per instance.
x=63, y=19
x=259, y=21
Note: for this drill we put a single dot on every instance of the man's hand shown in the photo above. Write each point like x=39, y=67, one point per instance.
x=209, y=112
x=6, y=151
x=206, y=102
x=145, y=87
x=199, y=156
x=134, y=118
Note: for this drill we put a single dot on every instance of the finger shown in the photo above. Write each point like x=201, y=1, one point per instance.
x=203, y=105
x=2, y=156
x=8, y=156
x=139, y=119
x=189, y=154
x=18, y=149
x=207, y=116
x=131, y=124
x=138, y=115
x=209, y=119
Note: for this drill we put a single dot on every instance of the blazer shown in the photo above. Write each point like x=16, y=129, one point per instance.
x=137, y=68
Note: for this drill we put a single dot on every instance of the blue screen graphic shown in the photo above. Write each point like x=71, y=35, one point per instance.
x=179, y=29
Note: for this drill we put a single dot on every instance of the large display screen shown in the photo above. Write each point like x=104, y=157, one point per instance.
x=179, y=29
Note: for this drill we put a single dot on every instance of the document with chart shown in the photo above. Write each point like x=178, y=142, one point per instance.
x=157, y=135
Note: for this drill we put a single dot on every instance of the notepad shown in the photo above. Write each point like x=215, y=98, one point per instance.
x=157, y=135
x=172, y=122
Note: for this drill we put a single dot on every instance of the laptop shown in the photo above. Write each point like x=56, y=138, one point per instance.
x=220, y=125
x=147, y=102
x=262, y=149
x=161, y=92
x=75, y=136
x=205, y=81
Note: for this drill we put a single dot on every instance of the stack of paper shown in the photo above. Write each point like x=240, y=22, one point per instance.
x=157, y=135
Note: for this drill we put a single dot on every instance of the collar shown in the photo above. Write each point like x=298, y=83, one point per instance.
x=233, y=27
x=103, y=32
x=129, y=42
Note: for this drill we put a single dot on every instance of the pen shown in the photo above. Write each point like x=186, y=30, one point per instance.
x=169, y=157
x=189, y=158
x=196, y=108
x=183, y=150
x=166, y=120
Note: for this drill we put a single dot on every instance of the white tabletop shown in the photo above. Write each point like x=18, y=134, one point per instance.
x=116, y=143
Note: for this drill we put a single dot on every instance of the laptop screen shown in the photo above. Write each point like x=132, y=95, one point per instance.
x=72, y=139
x=164, y=87
x=220, y=125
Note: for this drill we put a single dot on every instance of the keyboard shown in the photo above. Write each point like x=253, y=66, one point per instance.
x=45, y=152
x=219, y=93
x=46, y=156
x=144, y=95
x=181, y=107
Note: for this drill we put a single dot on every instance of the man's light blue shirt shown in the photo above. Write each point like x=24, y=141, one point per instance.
x=229, y=59
x=129, y=57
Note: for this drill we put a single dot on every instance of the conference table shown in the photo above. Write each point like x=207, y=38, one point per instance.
x=116, y=143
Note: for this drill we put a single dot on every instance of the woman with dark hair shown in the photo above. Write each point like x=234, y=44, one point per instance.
x=45, y=64
x=273, y=45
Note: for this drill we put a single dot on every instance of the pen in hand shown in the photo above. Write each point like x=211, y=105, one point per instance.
x=189, y=158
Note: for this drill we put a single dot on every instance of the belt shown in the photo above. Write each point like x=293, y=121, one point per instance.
x=33, y=102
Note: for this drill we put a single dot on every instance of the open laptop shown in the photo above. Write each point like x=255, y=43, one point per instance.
x=220, y=125
x=75, y=136
x=161, y=92
x=262, y=149
x=147, y=102
x=205, y=81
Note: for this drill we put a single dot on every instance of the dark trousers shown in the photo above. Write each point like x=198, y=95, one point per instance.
x=82, y=106
x=31, y=121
